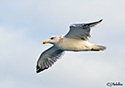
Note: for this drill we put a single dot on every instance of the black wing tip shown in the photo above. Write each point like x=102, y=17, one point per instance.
x=100, y=20
x=38, y=69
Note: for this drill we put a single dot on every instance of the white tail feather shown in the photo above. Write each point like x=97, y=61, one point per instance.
x=101, y=47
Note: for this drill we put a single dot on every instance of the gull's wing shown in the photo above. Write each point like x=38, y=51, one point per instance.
x=47, y=58
x=81, y=31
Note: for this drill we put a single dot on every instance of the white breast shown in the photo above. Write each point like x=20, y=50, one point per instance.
x=74, y=44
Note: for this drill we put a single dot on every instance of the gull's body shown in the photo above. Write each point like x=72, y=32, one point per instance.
x=75, y=40
x=78, y=45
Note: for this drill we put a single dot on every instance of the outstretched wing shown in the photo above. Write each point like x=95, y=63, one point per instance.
x=81, y=31
x=47, y=58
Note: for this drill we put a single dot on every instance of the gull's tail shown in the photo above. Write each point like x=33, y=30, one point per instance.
x=98, y=48
x=101, y=47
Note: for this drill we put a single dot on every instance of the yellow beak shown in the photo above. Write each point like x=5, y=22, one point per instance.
x=45, y=42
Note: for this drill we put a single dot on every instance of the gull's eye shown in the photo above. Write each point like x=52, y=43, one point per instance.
x=52, y=38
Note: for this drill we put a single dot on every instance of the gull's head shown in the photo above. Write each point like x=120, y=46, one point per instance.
x=54, y=39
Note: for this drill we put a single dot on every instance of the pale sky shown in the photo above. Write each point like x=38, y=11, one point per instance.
x=25, y=24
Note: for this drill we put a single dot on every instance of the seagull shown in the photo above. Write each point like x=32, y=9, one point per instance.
x=75, y=40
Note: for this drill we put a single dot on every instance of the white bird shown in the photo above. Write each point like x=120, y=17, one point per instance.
x=75, y=40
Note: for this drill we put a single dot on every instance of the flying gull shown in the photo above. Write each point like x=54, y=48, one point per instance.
x=75, y=40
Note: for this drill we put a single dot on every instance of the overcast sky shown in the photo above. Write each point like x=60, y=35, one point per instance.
x=25, y=24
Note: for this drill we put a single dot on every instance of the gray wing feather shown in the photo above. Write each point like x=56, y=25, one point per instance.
x=47, y=58
x=81, y=31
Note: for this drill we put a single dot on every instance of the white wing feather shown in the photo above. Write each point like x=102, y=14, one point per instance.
x=47, y=58
x=81, y=31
